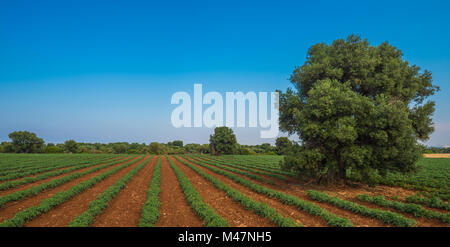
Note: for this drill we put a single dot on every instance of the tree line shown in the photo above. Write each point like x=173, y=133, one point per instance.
x=223, y=140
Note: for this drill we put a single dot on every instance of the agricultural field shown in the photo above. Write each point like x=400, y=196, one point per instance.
x=104, y=190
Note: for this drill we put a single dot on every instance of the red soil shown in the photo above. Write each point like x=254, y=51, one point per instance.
x=174, y=210
x=126, y=208
x=10, y=209
x=67, y=211
x=232, y=211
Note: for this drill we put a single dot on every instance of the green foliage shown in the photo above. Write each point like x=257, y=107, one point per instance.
x=228, y=165
x=46, y=205
x=51, y=184
x=14, y=183
x=433, y=202
x=25, y=142
x=410, y=208
x=97, y=206
x=387, y=217
x=157, y=148
x=71, y=146
x=223, y=141
x=356, y=108
x=331, y=219
x=259, y=208
x=150, y=210
x=283, y=145
x=53, y=150
x=177, y=143
x=208, y=214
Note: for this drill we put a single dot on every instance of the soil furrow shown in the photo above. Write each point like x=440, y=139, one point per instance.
x=29, y=185
x=174, y=210
x=287, y=188
x=10, y=209
x=126, y=208
x=62, y=214
x=286, y=210
x=232, y=211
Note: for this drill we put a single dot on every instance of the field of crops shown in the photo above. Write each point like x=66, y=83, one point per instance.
x=201, y=190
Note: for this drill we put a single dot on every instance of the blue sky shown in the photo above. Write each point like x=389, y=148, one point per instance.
x=105, y=70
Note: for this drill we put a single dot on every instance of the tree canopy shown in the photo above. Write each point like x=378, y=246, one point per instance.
x=356, y=108
x=25, y=142
x=223, y=141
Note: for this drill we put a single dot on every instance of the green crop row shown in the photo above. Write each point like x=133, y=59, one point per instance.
x=259, y=208
x=387, y=217
x=150, y=210
x=12, y=163
x=270, y=169
x=205, y=212
x=97, y=206
x=46, y=205
x=248, y=174
x=311, y=208
x=51, y=184
x=410, y=208
x=27, y=180
x=46, y=168
x=243, y=167
x=432, y=202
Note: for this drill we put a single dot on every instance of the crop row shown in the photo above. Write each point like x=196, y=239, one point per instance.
x=12, y=184
x=150, y=210
x=238, y=171
x=311, y=208
x=52, y=184
x=42, y=169
x=410, y=208
x=387, y=217
x=97, y=206
x=46, y=205
x=270, y=168
x=15, y=162
x=208, y=214
x=244, y=167
x=432, y=202
x=259, y=208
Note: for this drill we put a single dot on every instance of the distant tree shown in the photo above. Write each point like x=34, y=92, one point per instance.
x=192, y=148
x=120, y=148
x=205, y=149
x=283, y=145
x=357, y=108
x=157, y=148
x=26, y=142
x=223, y=141
x=71, y=146
x=176, y=143
x=53, y=150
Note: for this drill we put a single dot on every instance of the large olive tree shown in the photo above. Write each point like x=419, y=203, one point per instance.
x=356, y=108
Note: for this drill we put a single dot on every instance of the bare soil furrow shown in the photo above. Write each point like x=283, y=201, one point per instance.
x=62, y=214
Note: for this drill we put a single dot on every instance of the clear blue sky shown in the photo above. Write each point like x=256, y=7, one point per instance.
x=105, y=70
